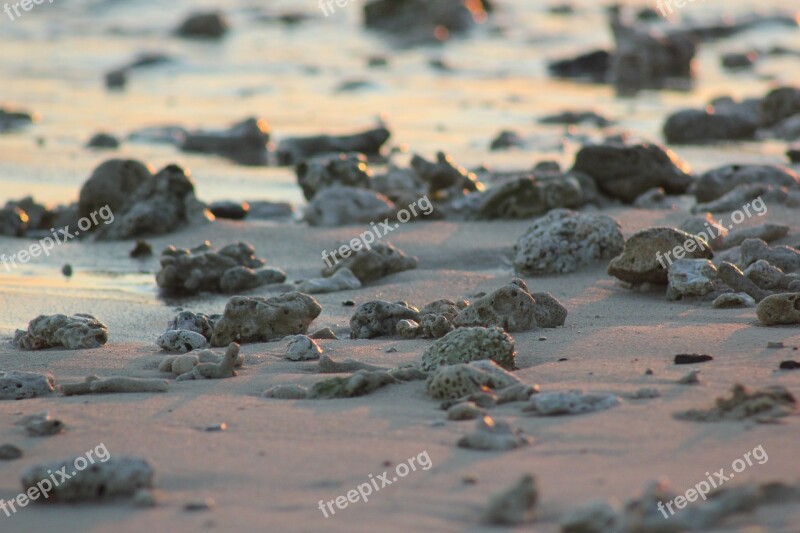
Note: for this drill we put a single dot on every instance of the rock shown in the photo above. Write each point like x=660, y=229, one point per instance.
x=13, y=222
x=470, y=344
x=653, y=199
x=736, y=280
x=373, y=263
x=785, y=365
x=116, y=79
x=784, y=257
x=142, y=249
x=265, y=210
x=695, y=126
x=203, y=25
x=197, y=322
x=256, y=319
x=112, y=478
x=434, y=326
x=564, y=241
x=465, y=411
x=41, y=425
x=144, y=498
x=442, y=175
x=642, y=394
x=548, y=311
x=419, y=21
x=514, y=506
x=764, y=405
x=408, y=329
x=510, y=307
x=779, y=104
x=228, y=269
x=96, y=385
x=302, y=348
x=38, y=217
x=594, y=517
x=739, y=60
x=516, y=393
x=379, y=318
x=570, y=118
x=324, y=333
x=527, y=197
x=707, y=228
x=569, y=403
x=11, y=119
x=717, y=182
x=16, y=385
x=639, y=261
x=779, y=309
x=625, y=172
x=766, y=276
x=360, y=383
x=408, y=373
x=765, y=232
x=157, y=206
x=112, y=184
x=319, y=172
x=690, y=277
x=292, y=151
x=690, y=378
x=244, y=142
x=506, y=139
x=9, y=452
x=450, y=382
x=691, y=358
x=229, y=210
x=286, y=392
x=103, y=140
x=80, y=331
x=329, y=366
x=339, y=206
x=491, y=435
x=223, y=369
x=593, y=66
x=181, y=341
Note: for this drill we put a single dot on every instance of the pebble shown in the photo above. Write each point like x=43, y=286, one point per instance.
x=691, y=358
x=9, y=452
x=789, y=365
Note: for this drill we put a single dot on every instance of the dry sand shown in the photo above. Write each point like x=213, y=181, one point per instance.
x=279, y=458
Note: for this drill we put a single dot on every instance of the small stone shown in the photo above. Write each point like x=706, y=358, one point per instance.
x=216, y=427
x=324, y=333
x=465, y=411
x=789, y=365
x=514, y=506
x=643, y=394
x=200, y=505
x=649, y=372
x=9, y=452
x=569, y=403
x=302, y=348
x=348, y=303
x=491, y=435
x=181, y=341
x=144, y=498
x=391, y=349
x=775, y=345
x=733, y=300
x=42, y=425
x=691, y=378
x=691, y=358
x=67, y=270
x=142, y=249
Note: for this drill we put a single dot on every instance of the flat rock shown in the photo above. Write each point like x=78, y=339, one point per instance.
x=470, y=344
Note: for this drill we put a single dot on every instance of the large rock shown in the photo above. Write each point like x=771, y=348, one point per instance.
x=564, y=241
x=450, y=382
x=256, y=319
x=694, y=126
x=648, y=254
x=464, y=345
x=420, y=20
x=717, y=182
x=779, y=104
x=511, y=308
x=527, y=197
x=626, y=172
x=379, y=318
x=380, y=260
x=294, y=150
x=71, y=332
x=779, y=309
x=339, y=205
x=333, y=169
x=244, y=142
x=112, y=184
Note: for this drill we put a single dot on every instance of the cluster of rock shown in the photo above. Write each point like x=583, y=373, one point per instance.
x=730, y=187
x=232, y=268
x=27, y=218
x=80, y=331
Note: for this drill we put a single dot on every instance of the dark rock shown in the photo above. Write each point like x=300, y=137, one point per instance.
x=229, y=210
x=692, y=126
x=691, y=358
x=415, y=21
x=67, y=270
x=527, y=197
x=333, y=169
x=779, y=104
x=576, y=117
x=11, y=120
x=142, y=249
x=116, y=79
x=739, y=60
x=626, y=172
x=789, y=365
x=209, y=25
x=13, y=222
x=717, y=182
x=292, y=151
x=112, y=184
x=794, y=155
x=444, y=174
x=103, y=140
x=506, y=139
x=244, y=142
x=594, y=66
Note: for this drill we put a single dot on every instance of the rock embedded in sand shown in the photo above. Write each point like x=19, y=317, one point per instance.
x=292, y=151
x=228, y=269
x=339, y=205
x=470, y=344
x=763, y=405
x=766, y=276
x=569, y=403
x=528, y=197
x=696, y=126
x=691, y=358
x=342, y=280
x=302, y=348
x=639, y=261
x=564, y=241
x=494, y=435
x=80, y=331
x=9, y=452
x=625, y=172
x=765, y=232
x=784, y=257
x=593, y=517
x=690, y=277
x=115, y=477
x=229, y=209
x=286, y=392
x=509, y=307
x=408, y=329
x=42, y=425
x=360, y=383
x=257, y=319
x=16, y=385
x=705, y=224
x=221, y=370
x=329, y=366
x=203, y=25
x=736, y=280
x=319, y=172
x=103, y=140
x=514, y=506
x=779, y=309
x=379, y=318
x=505, y=140
x=451, y=382
x=465, y=411
x=379, y=261
x=181, y=341
x=187, y=320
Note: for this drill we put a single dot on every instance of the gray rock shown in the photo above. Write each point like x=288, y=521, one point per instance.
x=112, y=183
x=380, y=260
x=198, y=322
x=784, y=257
x=470, y=344
x=696, y=126
x=736, y=280
x=717, y=182
x=444, y=175
x=416, y=21
x=203, y=25
x=115, y=477
x=494, y=435
x=454, y=381
x=779, y=104
x=342, y=280
x=16, y=385
x=594, y=517
x=292, y=151
x=181, y=341
x=527, y=197
x=75, y=332
x=41, y=425
x=690, y=277
x=324, y=333
x=323, y=171
x=9, y=452
x=765, y=232
x=564, y=241
x=779, y=309
x=514, y=506
x=339, y=206
x=509, y=307
x=765, y=275
x=763, y=405
x=733, y=300
x=286, y=392
x=13, y=222
x=244, y=142
x=302, y=348
x=360, y=383
x=408, y=329
x=103, y=140
x=241, y=278
x=379, y=318
x=465, y=411
x=569, y=403
x=256, y=319
x=707, y=228
x=434, y=326
x=329, y=366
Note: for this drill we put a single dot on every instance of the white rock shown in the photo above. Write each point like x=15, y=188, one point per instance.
x=181, y=340
x=342, y=280
x=302, y=348
x=569, y=403
x=690, y=277
x=16, y=385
